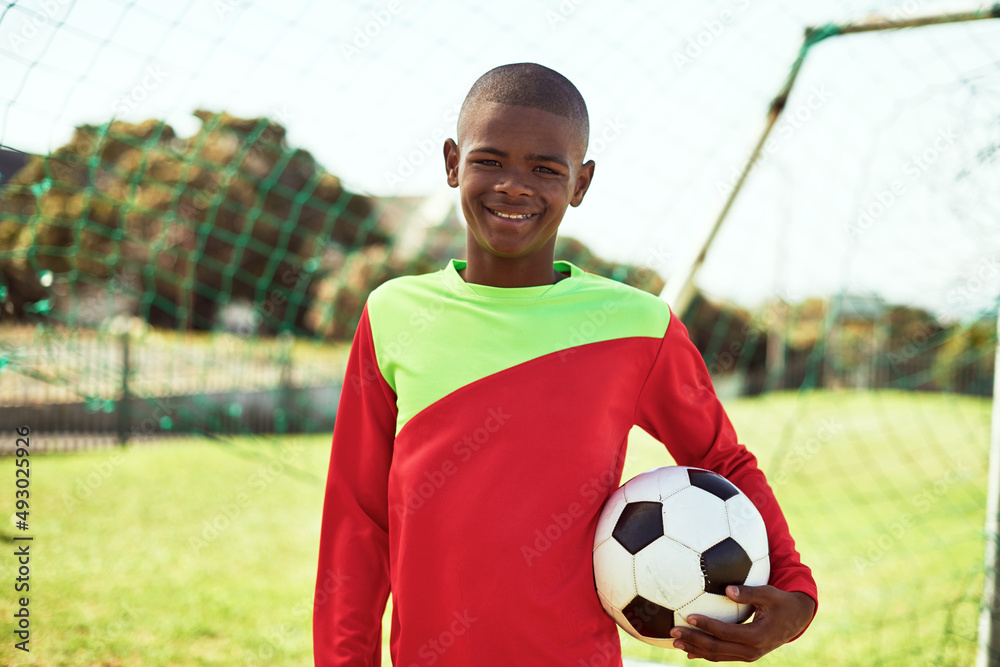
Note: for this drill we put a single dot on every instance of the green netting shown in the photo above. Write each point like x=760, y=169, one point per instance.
x=196, y=200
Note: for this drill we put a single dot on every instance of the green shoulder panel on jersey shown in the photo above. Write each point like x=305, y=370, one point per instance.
x=435, y=333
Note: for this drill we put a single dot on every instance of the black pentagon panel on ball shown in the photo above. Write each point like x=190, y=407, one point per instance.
x=724, y=564
x=639, y=525
x=714, y=483
x=648, y=618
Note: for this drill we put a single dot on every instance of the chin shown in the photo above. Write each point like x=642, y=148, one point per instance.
x=508, y=253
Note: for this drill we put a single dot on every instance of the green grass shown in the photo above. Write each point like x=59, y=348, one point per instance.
x=203, y=553
x=885, y=494
x=184, y=553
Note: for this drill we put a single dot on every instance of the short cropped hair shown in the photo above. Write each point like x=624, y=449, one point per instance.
x=530, y=85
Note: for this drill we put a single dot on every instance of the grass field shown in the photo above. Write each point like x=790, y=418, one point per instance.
x=203, y=552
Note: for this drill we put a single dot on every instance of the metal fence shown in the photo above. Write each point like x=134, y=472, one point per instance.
x=98, y=387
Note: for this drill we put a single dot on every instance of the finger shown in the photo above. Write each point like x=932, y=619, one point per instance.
x=757, y=597
x=729, y=632
x=754, y=595
x=702, y=645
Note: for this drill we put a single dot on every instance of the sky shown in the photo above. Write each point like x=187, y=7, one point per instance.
x=879, y=178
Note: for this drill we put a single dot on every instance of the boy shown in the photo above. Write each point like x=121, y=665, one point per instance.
x=489, y=402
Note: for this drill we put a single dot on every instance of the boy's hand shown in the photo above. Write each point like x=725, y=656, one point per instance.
x=779, y=616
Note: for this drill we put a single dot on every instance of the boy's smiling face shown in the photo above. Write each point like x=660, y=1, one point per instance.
x=517, y=169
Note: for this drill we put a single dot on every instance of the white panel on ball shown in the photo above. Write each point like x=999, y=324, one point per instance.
x=673, y=588
x=747, y=527
x=644, y=486
x=672, y=479
x=716, y=606
x=610, y=609
x=609, y=515
x=611, y=560
x=760, y=572
x=695, y=518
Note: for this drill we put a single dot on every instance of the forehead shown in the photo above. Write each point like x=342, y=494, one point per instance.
x=519, y=130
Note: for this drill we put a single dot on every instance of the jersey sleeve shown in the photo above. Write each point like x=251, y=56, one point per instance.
x=678, y=406
x=352, y=583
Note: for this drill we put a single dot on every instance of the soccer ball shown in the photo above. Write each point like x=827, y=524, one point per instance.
x=668, y=542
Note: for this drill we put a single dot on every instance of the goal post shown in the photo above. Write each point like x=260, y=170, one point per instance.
x=679, y=292
x=679, y=288
x=988, y=652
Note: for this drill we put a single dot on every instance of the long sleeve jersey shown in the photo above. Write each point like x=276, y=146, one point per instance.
x=479, y=432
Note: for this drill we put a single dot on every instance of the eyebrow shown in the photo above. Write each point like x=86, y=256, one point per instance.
x=533, y=157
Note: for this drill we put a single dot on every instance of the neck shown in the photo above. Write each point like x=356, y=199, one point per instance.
x=487, y=269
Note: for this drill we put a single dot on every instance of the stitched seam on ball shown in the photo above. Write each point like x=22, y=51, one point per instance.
x=635, y=581
x=704, y=571
x=596, y=546
x=671, y=495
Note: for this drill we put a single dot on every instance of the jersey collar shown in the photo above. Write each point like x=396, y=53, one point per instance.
x=459, y=286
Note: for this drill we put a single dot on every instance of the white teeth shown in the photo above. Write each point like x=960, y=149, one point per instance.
x=511, y=217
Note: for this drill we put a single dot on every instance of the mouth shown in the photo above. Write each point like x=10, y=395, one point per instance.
x=517, y=217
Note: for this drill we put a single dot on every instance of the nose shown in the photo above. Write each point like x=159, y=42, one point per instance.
x=513, y=183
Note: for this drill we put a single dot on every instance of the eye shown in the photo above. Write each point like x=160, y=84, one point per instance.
x=546, y=170
x=488, y=163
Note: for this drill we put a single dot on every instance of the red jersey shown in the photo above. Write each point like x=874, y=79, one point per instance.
x=479, y=431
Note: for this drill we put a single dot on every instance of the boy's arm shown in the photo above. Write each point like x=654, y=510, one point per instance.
x=678, y=407
x=352, y=583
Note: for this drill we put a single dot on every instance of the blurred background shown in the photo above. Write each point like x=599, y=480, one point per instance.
x=197, y=198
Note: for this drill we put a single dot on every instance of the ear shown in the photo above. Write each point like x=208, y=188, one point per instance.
x=451, y=155
x=583, y=179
